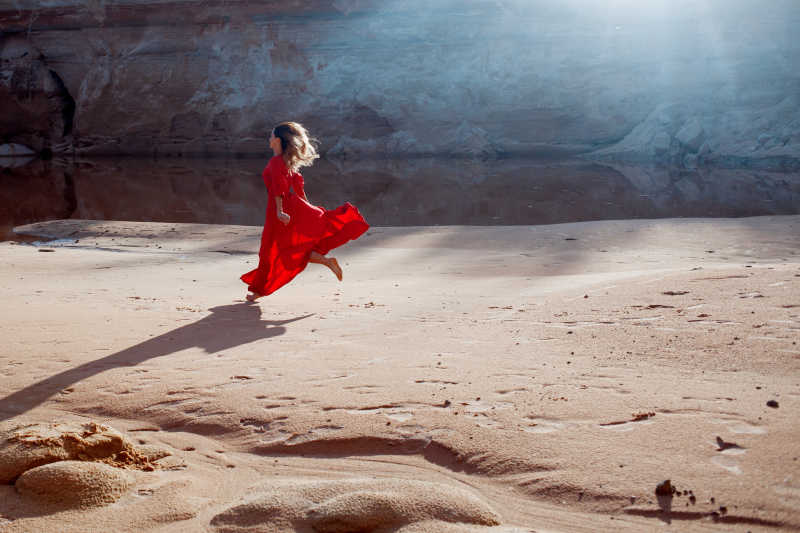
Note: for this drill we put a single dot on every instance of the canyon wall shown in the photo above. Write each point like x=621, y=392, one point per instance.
x=680, y=83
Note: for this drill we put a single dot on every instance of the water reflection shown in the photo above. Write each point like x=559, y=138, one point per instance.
x=388, y=192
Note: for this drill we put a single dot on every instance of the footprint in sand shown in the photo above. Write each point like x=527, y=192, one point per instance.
x=546, y=425
x=314, y=434
x=788, y=490
x=728, y=463
x=410, y=429
x=741, y=427
x=726, y=456
x=478, y=406
x=488, y=423
x=262, y=426
x=400, y=416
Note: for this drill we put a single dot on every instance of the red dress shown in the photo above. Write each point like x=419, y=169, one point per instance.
x=285, y=248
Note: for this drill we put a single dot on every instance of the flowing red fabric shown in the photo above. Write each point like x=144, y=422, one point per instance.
x=285, y=249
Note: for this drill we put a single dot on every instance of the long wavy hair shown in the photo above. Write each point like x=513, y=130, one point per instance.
x=299, y=149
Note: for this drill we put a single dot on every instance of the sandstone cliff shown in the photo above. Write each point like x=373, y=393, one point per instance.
x=676, y=82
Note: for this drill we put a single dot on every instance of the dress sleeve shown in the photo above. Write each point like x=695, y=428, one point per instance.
x=276, y=178
x=297, y=184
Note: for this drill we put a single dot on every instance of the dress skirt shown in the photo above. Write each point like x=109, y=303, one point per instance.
x=286, y=248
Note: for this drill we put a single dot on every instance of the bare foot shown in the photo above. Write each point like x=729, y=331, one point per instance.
x=333, y=264
x=252, y=296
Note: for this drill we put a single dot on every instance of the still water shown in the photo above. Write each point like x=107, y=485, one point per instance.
x=416, y=192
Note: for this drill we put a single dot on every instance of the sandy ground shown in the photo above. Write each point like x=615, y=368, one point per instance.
x=459, y=379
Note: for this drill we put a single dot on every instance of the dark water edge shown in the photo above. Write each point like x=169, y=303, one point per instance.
x=415, y=192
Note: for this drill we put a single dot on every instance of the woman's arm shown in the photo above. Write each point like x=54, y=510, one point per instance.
x=283, y=217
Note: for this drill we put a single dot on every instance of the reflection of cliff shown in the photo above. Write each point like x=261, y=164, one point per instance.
x=37, y=191
x=132, y=189
x=213, y=191
x=664, y=81
x=435, y=191
x=389, y=192
x=423, y=192
x=715, y=192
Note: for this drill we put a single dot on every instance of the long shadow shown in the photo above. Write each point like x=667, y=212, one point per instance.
x=226, y=327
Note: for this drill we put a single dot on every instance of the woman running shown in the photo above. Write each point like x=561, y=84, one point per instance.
x=296, y=232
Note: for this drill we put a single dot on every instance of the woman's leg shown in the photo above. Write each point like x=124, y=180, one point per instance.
x=329, y=262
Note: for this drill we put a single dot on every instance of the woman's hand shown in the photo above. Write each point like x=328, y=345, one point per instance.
x=284, y=217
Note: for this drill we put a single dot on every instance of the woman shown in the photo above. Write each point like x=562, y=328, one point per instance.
x=295, y=231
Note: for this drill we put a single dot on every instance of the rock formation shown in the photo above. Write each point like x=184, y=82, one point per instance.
x=666, y=82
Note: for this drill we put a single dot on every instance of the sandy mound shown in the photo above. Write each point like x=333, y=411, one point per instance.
x=435, y=526
x=74, y=483
x=25, y=447
x=353, y=505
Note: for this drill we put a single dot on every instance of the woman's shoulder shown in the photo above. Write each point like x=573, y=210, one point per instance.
x=276, y=161
x=276, y=166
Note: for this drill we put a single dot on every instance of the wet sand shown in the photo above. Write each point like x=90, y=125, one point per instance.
x=459, y=379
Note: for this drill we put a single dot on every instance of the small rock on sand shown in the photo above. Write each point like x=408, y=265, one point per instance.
x=665, y=488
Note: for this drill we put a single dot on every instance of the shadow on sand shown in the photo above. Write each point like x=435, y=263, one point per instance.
x=226, y=327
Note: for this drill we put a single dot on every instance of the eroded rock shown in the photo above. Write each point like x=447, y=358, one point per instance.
x=25, y=447
x=74, y=483
x=330, y=506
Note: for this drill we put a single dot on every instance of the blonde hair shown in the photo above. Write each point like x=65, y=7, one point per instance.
x=299, y=149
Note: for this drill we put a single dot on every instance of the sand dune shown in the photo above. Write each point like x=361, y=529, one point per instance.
x=460, y=379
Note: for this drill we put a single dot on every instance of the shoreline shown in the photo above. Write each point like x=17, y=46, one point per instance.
x=556, y=374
